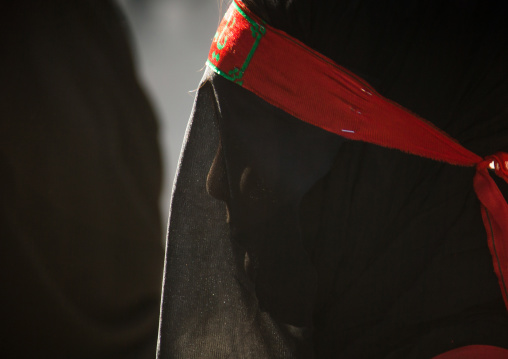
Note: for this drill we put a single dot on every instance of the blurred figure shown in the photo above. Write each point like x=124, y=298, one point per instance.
x=81, y=254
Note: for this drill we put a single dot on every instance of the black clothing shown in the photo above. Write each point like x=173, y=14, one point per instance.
x=335, y=248
x=80, y=232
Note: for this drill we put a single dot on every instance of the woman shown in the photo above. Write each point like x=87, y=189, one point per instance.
x=330, y=247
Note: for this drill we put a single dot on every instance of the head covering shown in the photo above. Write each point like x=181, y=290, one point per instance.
x=331, y=247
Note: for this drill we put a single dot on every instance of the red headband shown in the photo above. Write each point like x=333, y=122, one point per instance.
x=291, y=76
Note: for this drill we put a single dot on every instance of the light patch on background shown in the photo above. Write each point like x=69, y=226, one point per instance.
x=171, y=40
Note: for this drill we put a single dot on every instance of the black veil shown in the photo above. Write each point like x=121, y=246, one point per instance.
x=287, y=241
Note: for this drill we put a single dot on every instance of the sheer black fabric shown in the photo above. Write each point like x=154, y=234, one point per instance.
x=80, y=232
x=286, y=241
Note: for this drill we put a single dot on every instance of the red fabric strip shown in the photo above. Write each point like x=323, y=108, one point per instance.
x=495, y=215
x=291, y=76
x=475, y=352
